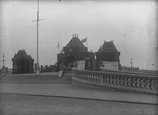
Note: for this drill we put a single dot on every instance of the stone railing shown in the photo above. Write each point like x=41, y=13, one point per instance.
x=146, y=83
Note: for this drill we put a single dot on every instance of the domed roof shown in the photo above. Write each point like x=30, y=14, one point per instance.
x=75, y=42
x=108, y=46
x=22, y=54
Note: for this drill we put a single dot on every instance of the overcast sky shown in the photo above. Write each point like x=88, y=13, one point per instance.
x=131, y=25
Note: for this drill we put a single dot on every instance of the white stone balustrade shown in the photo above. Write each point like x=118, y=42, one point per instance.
x=147, y=83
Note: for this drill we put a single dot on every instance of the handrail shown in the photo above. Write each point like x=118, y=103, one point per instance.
x=120, y=80
x=120, y=73
x=132, y=72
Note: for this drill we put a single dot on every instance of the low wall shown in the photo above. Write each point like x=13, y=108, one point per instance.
x=146, y=83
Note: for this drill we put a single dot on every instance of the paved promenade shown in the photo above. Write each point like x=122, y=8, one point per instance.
x=67, y=90
x=48, y=94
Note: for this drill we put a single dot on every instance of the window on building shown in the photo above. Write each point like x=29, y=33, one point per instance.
x=15, y=66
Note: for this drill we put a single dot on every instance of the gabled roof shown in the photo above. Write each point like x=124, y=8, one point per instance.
x=108, y=47
x=75, y=42
x=22, y=54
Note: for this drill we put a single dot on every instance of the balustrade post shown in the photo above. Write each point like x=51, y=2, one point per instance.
x=101, y=78
x=154, y=85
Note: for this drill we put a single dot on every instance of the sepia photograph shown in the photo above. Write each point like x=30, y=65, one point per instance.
x=78, y=57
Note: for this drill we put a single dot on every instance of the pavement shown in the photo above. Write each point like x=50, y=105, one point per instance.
x=69, y=91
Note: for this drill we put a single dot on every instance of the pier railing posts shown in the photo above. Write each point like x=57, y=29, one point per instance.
x=119, y=80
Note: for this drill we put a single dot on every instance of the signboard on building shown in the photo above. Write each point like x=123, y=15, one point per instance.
x=81, y=65
x=109, y=65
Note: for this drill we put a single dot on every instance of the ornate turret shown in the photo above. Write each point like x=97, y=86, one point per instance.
x=22, y=63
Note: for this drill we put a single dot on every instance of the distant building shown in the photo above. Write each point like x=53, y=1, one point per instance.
x=126, y=68
x=10, y=70
x=46, y=68
x=108, y=56
x=4, y=69
x=22, y=63
x=74, y=51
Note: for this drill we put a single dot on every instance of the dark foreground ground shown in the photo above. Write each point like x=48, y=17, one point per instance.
x=15, y=104
x=12, y=104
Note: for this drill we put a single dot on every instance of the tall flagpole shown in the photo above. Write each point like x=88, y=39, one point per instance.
x=87, y=43
x=131, y=62
x=37, y=37
x=58, y=47
x=37, y=71
x=3, y=61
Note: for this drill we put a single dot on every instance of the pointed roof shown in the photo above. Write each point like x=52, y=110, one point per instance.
x=75, y=42
x=22, y=54
x=108, y=47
